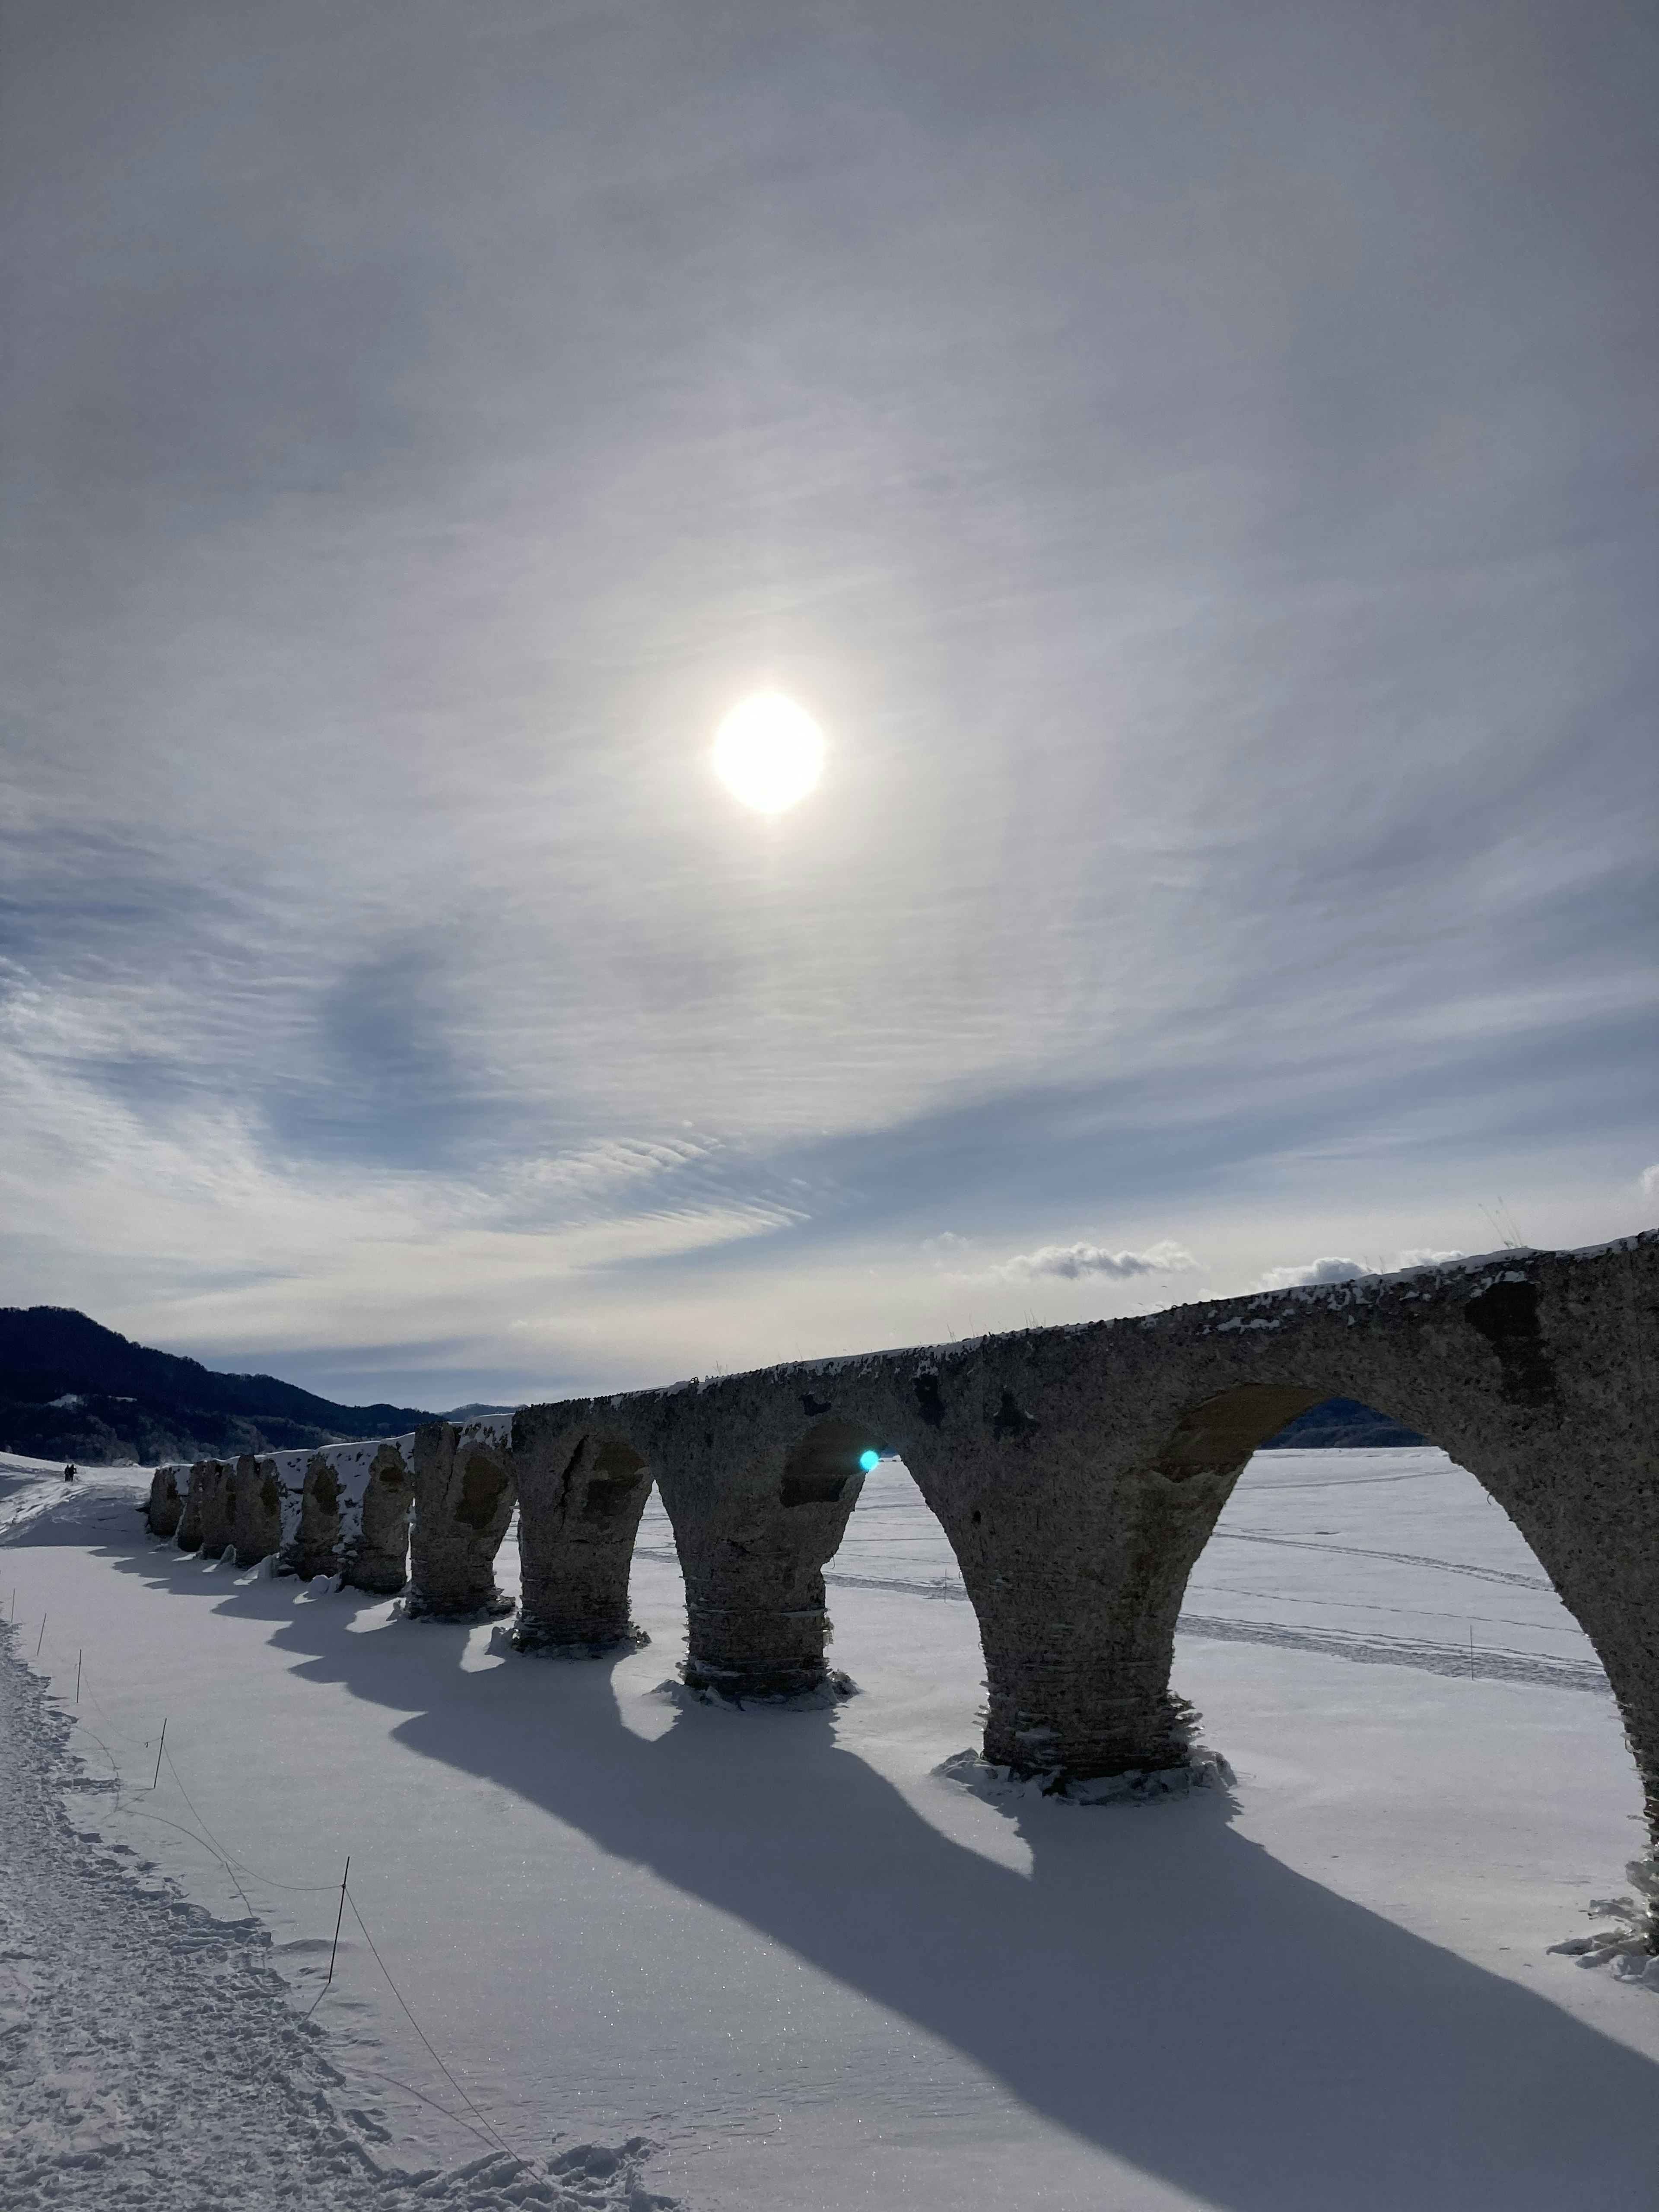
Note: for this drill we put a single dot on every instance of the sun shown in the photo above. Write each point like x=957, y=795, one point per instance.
x=769, y=752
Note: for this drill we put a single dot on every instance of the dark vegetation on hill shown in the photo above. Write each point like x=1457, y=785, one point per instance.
x=72, y=1390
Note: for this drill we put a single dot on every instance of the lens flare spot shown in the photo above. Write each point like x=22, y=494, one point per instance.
x=869, y=1461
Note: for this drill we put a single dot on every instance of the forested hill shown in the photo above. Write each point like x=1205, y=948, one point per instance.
x=72, y=1390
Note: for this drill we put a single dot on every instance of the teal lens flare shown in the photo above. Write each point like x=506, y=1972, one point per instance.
x=869, y=1461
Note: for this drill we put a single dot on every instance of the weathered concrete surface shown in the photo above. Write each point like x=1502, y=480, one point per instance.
x=189, y=1532
x=315, y=1547
x=218, y=1505
x=1079, y=1471
x=165, y=1509
x=581, y=1489
x=253, y=1510
x=209, y=1506
x=464, y=1498
x=340, y=1510
x=377, y=1558
x=759, y=1491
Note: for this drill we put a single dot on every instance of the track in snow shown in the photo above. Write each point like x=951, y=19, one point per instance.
x=1484, y=1663
x=1480, y=1663
x=150, y=2058
x=1397, y=1559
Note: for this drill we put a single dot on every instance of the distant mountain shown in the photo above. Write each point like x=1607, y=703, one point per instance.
x=1342, y=1423
x=72, y=1390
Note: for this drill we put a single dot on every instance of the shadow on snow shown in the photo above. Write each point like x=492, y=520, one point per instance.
x=1159, y=1984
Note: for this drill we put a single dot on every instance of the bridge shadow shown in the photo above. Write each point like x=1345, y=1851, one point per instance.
x=1158, y=1985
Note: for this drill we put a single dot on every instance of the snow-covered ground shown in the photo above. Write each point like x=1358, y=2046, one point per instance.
x=151, y=2058
x=790, y=1949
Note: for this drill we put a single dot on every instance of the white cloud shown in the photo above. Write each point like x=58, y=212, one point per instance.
x=1649, y=1179
x=946, y=1242
x=1314, y=1271
x=1420, y=1256
x=1072, y=1261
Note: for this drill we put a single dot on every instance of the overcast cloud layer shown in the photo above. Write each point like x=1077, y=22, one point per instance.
x=1195, y=461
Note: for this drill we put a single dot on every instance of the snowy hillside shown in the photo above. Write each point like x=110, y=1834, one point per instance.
x=817, y=1965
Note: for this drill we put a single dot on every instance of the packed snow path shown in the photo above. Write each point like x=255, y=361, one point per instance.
x=150, y=2056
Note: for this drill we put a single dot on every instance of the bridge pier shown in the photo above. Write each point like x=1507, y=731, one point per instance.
x=464, y=1497
x=757, y=1507
x=165, y=1508
x=1076, y=1553
x=209, y=1494
x=188, y=1536
x=315, y=1549
x=253, y=1510
x=377, y=1558
x=582, y=1492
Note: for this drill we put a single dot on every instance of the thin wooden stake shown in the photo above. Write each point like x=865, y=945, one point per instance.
x=79, y=1657
x=1471, y=1651
x=41, y=1638
x=338, y=1917
x=158, y=1754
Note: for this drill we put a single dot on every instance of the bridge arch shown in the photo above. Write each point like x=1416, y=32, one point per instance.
x=1534, y=1371
x=894, y=1549
x=1119, y=1632
x=1383, y=1550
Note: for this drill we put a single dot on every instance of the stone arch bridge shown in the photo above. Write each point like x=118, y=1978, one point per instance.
x=1078, y=1473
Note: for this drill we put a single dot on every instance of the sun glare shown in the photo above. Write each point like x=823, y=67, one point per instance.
x=768, y=753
